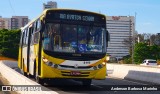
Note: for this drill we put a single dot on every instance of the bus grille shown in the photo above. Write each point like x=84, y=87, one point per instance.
x=82, y=74
x=79, y=67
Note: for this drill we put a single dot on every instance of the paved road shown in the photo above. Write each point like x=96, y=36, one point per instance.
x=97, y=87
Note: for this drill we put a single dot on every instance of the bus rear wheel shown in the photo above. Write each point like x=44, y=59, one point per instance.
x=25, y=74
x=87, y=82
x=39, y=80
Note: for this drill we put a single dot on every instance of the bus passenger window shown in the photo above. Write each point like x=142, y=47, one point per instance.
x=38, y=25
x=69, y=36
x=52, y=38
x=57, y=41
x=36, y=37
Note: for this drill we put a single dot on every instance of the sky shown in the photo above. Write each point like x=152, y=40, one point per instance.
x=146, y=12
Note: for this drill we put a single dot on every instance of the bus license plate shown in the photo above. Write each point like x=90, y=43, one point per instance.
x=75, y=73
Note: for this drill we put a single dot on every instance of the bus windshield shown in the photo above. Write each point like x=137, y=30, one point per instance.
x=73, y=38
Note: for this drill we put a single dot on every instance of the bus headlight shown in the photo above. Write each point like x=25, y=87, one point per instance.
x=95, y=67
x=45, y=60
x=103, y=63
x=51, y=64
x=99, y=66
x=55, y=66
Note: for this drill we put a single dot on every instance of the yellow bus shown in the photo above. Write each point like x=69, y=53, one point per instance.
x=64, y=43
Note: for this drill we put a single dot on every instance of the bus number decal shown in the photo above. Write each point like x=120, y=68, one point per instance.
x=86, y=62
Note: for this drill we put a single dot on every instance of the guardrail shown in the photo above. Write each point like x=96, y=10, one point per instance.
x=16, y=78
x=134, y=72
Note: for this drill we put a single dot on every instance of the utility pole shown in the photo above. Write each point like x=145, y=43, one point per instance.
x=133, y=37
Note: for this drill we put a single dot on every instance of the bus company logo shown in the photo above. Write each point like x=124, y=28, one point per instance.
x=76, y=65
x=6, y=88
x=115, y=17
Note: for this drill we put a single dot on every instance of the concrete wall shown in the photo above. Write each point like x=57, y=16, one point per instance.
x=16, y=78
x=134, y=72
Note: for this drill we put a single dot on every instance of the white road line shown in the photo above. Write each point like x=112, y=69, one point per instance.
x=96, y=86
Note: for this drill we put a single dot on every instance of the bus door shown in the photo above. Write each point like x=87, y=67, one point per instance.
x=33, y=48
x=28, y=48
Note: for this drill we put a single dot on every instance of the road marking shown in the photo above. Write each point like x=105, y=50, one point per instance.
x=96, y=86
x=127, y=80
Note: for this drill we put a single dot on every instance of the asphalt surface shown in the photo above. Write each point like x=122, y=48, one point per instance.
x=68, y=86
x=97, y=87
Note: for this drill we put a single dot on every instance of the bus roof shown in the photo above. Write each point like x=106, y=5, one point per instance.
x=71, y=10
x=45, y=11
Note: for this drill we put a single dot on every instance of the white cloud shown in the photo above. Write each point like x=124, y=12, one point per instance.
x=147, y=23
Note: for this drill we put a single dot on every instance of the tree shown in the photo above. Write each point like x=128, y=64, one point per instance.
x=153, y=39
x=150, y=39
x=157, y=40
x=9, y=43
x=155, y=52
x=141, y=52
x=127, y=59
x=140, y=38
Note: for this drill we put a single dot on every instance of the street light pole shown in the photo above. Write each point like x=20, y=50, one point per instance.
x=133, y=37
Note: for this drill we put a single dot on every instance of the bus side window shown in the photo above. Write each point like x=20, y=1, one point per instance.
x=38, y=25
x=35, y=26
x=36, y=37
x=24, y=38
x=27, y=35
x=33, y=29
x=36, y=31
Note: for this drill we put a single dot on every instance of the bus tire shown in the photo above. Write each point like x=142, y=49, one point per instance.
x=25, y=74
x=39, y=80
x=34, y=69
x=87, y=82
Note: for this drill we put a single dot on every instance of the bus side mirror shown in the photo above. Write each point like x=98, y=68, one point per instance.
x=107, y=36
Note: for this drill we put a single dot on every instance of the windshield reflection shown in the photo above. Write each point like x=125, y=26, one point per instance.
x=73, y=38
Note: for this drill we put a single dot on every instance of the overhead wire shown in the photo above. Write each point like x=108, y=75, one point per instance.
x=12, y=7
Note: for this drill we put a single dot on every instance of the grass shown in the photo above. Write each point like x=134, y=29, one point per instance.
x=7, y=58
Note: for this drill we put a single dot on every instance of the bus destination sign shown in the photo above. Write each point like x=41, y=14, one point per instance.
x=76, y=17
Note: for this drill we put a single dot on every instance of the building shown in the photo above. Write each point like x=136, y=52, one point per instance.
x=7, y=23
x=158, y=39
x=121, y=29
x=2, y=23
x=18, y=21
x=15, y=22
x=49, y=4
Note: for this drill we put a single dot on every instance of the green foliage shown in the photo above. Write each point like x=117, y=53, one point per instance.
x=155, y=52
x=143, y=51
x=9, y=43
x=127, y=59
